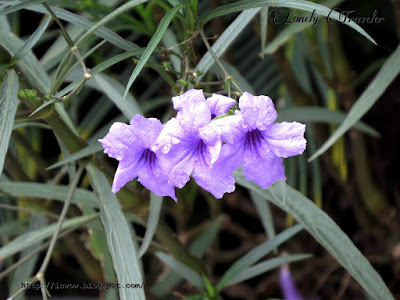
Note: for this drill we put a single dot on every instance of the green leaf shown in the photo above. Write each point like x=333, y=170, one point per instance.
x=47, y=191
x=120, y=243
x=75, y=19
x=326, y=232
x=323, y=115
x=104, y=20
x=283, y=36
x=225, y=40
x=265, y=214
x=45, y=104
x=375, y=89
x=24, y=271
x=89, y=150
x=266, y=266
x=31, y=238
x=17, y=5
x=114, y=90
x=182, y=270
x=204, y=241
x=162, y=27
x=264, y=13
x=31, y=42
x=254, y=255
x=152, y=222
x=8, y=108
x=28, y=65
x=295, y=4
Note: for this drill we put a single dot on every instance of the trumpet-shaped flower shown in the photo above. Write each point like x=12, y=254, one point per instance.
x=257, y=144
x=190, y=143
x=131, y=146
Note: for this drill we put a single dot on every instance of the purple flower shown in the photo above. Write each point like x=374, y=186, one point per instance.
x=288, y=286
x=131, y=146
x=257, y=144
x=190, y=143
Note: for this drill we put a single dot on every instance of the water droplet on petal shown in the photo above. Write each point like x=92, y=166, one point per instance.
x=255, y=108
x=175, y=141
x=165, y=149
x=244, y=125
x=154, y=148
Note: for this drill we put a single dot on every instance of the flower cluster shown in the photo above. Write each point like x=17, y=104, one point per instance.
x=197, y=143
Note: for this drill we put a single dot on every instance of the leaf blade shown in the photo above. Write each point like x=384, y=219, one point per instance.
x=8, y=108
x=156, y=38
x=375, y=89
x=326, y=232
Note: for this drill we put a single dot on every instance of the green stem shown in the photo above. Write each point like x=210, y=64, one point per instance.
x=74, y=184
x=228, y=78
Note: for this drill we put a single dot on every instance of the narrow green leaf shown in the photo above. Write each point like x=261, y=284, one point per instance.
x=265, y=214
x=31, y=42
x=225, y=40
x=104, y=20
x=120, y=243
x=28, y=65
x=323, y=115
x=17, y=5
x=182, y=270
x=8, y=108
x=266, y=266
x=114, y=60
x=375, y=89
x=21, y=124
x=24, y=271
x=152, y=222
x=89, y=150
x=170, y=41
x=198, y=247
x=45, y=104
x=75, y=19
x=289, y=31
x=256, y=254
x=295, y=4
x=47, y=191
x=204, y=241
x=326, y=232
x=164, y=23
x=31, y=238
x=263, y=28
x=114, y=90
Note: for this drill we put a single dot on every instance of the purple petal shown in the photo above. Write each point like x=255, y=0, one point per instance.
x=260, y=164
x=288, y=286
x=178, y=163
x=128, y=169
x=171, y=134
x=120, y=140
x=231, y=128
x=210, y=136
x=145, y=130
x=218, y=179
x=286, y=139
x=219, y=104
x=193, y=116
x=189, y=96
x=257, y=111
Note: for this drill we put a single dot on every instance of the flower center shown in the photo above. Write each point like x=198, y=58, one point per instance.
x=252, y=140
x=201, y=150
x=149, y=157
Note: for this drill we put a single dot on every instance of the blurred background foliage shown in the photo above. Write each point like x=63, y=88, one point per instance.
x=314, y=74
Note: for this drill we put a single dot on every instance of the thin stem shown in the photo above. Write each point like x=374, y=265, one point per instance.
x=218, y=62
x=71, y=44
x=53, y=241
